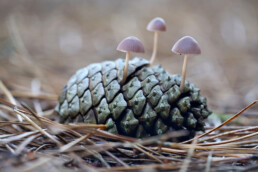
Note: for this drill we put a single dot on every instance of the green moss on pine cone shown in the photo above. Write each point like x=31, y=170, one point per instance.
x=148, y=103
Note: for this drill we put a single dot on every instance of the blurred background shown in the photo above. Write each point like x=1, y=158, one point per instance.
x=48, y=40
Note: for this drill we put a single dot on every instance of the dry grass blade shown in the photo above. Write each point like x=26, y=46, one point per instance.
x=6, y=123
x=10, y=149
x=31, y=95
x=9, y=97
x=229, y=141
x=117, y=159
x=7, y=93
x=229, y=132
x=143, y=167
x=188, y=157
x=208, y=164
x=31, y=111
x=147, y=153
x=98, y=148
x=22, y=146
x=222, y=147
x=244, y=143
x=106, y=134
x=69, y=145
x=12, y=137
x=38, y=127
x=12, y=106
x=175, y=151
x=80, y=126
x=147, y=149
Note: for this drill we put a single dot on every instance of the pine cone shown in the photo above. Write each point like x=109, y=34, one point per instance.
x=148, y=103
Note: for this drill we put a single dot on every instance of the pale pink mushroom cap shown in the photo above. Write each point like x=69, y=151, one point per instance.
x=186, y=45
x=157, y=25
x=131, y=44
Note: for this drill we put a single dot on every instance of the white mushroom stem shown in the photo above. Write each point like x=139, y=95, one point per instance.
x=183, y=73
x=155, y=47
x=126, y=66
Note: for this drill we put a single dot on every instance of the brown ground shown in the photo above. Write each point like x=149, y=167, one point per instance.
x=50, y=40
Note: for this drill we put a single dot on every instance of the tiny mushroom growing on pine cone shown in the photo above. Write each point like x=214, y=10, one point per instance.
x=187, y=45
x=129, y=44
x=156, y=25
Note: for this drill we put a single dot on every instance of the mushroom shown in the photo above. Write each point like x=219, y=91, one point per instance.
x=187, y=45
x=156, y=25
x=129, y=44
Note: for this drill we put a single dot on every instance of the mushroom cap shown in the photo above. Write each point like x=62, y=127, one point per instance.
x=130, y=44
x=186, y=45
x=157, y=25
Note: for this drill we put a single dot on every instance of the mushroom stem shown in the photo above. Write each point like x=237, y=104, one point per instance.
x=155, y=47
x=183, y=73
x=126, y=66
